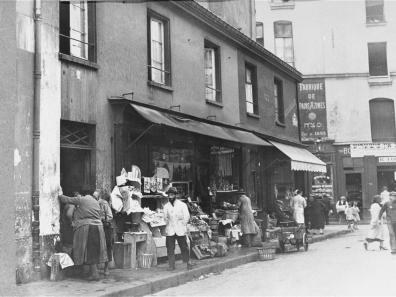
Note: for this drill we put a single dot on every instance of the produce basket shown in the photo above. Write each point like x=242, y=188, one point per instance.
x=232, y=215
x=266, y=254
x=145, y=260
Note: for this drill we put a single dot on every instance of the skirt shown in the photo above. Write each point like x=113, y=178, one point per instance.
x=89, y=245
x=108, y=230
x=376, y=233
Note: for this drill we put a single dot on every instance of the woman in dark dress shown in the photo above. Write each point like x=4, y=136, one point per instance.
x=317, y=211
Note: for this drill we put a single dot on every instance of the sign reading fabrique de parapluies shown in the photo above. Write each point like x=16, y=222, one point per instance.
x=312, y=109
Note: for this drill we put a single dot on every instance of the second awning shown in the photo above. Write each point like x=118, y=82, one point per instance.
x=163, y=118
x=301, y=159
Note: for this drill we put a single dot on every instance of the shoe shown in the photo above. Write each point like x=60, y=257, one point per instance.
x=106, y=273
x=171, y=268
x=93, y=278
x=383, y=248
x=191, y=265
x=365, y=246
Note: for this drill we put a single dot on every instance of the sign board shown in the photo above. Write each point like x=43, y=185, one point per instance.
x=312, y=109
x=386, y=159
x=373, y=149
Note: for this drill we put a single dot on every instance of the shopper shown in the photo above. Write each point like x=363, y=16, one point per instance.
x=384, y=195
x=390, y=209
x=107, y=217
x=341, y=205
x=248, y=225
x=376, y=231
x=350, y=219
x=176, y=217
x=298, y=203
x=317, y=210
x=356, y=215
x=89, y=243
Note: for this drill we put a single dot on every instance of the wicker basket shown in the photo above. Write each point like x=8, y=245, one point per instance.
x=145, y=260
x=266, y=254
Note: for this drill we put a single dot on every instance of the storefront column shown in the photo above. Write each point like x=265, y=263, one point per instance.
x=369, y=183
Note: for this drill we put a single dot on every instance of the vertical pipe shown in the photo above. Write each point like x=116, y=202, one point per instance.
x=36, y=138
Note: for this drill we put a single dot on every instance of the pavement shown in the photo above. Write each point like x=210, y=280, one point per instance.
x=140, y=282
x=336, y=267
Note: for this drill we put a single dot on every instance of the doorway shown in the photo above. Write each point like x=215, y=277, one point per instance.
x=353, y=186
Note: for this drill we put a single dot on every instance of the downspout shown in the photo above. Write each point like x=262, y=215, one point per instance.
x=36, y=139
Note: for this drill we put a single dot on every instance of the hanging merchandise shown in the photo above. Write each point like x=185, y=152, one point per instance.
x=146, y=184
x=135, y=177
x=153, y=184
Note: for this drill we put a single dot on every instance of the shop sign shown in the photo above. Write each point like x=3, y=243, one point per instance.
x=373, y=149
x=386, y=159
x=312, y=109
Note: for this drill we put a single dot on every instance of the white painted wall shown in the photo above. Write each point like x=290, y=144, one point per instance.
x=330, y=37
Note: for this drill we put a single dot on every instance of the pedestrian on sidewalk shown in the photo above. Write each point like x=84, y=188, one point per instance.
x=390, y=209
x=350, y=219
x=176, y=218
x=298, y=204
x=376, y=231
x=341, y=205
x=317, y=214
x=248, y=225
x=89, y=243
x=384, y=195
x=107, y=218
x=356, y=216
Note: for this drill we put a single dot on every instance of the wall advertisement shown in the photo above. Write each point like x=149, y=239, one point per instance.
x=312, y=109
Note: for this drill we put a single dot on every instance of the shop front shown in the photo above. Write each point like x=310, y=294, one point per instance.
x=363, y=169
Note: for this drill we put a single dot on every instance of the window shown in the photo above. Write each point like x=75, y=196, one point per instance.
x=212, y=73
x=251, y=89
x=284, y=41
x=260, y=33
x=375, y=11
x=377, y=59
x=281, y=4
x=159, y=49
x=278, y=98
x=382, y=119
x=77, y=29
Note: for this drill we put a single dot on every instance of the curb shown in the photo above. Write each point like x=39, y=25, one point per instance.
x=178, y=278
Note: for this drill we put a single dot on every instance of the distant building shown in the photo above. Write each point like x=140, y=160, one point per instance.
x=346, y=53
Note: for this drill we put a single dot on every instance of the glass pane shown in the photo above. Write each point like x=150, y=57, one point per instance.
x=79, y=29
x=282, y=29
x=210, y=94
x=249, y=92
x=249, y=107
x=279, y=47
x=248, y=75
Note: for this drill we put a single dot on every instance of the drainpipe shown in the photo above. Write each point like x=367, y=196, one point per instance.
x=36, y=139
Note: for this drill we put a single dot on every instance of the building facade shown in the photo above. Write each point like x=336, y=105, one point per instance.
x=345, y=51
x=169, y=84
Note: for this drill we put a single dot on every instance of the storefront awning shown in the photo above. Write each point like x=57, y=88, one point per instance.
x=162, y=118
x=301, y=159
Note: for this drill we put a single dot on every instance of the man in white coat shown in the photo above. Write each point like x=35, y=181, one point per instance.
x=298, y=203
x=176, y=217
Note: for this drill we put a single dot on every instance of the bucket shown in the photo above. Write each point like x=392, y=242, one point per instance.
x=265, y=254
x=122, y=254
x=145, y=260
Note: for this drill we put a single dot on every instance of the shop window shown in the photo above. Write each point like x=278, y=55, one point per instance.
x=260, y=33
x=283, y=33
x=77, y=29
x=212, y=72
x=378, y=65
x=382, y=119
x=278, y=101
x=159, y=49
x=251, y=89
x=374, y=11
x=224, y=170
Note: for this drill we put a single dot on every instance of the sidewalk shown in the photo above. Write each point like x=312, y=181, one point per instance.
x=132, y=282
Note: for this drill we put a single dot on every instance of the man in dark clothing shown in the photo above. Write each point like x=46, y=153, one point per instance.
x=390, y=208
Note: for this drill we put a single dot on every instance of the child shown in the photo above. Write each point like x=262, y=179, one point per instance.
x=356, y=216
x=349, y=215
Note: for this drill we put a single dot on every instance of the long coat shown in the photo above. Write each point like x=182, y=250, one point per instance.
x=317, y=210
x=246, y=216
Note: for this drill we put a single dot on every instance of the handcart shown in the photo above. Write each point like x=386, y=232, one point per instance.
x=290, y=232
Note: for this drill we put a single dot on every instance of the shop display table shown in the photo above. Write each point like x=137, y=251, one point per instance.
x=135, y=238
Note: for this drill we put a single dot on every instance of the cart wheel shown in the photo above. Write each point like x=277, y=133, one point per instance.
x=305, y=241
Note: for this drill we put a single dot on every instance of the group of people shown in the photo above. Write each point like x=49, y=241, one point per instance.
x=383, y=215
x=313, y=212
x=349, y=212
x=90, y=217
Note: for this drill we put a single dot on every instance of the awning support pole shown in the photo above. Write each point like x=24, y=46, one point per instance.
x=140, y=136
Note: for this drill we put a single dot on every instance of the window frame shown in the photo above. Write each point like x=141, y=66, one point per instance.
x=279, y=102
x=217, y=72
x=166, y=52
x=283, y=39
x=374, y=19
x=253, y=82
x=376, y=123
x=372, y=68
x=65, y=36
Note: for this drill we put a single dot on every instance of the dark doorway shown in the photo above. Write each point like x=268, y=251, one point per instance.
x=386, y=177
x=353, y=186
